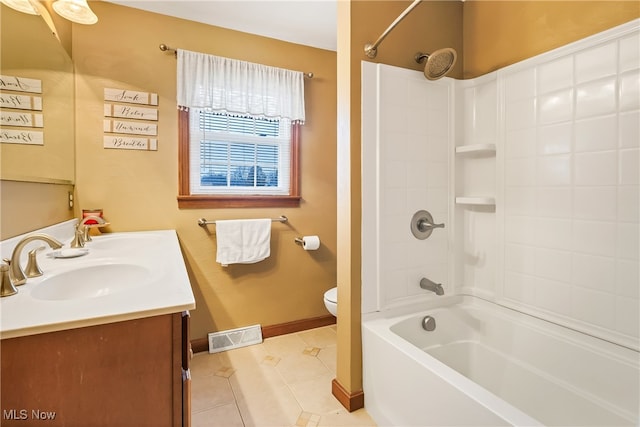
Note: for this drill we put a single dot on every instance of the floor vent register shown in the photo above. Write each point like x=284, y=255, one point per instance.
x=234, y=338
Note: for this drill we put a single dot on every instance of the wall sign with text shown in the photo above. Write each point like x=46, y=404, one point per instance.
x=18, y=122
x=131, y=122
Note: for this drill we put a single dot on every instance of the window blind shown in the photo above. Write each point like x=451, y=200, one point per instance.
x=233, y=154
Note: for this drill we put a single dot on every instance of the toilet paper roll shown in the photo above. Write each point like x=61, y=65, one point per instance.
x=310, y=243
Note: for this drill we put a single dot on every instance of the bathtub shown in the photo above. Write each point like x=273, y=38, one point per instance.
x=488, y=365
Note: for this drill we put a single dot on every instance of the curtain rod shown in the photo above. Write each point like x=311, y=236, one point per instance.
x=163, y=47
x=372, y=49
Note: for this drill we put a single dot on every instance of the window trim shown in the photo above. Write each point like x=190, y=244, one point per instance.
x=186, y=200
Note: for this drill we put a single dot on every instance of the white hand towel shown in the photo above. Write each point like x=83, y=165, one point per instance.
x=244, y=241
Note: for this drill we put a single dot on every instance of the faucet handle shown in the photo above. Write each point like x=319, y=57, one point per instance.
x=6, y=286
x=422, y=224
x=78, y=239
x=85, y=233
x=33, y=269
x=425, y=225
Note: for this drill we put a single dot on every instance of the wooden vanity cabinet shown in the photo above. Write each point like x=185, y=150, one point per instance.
x=120, y=374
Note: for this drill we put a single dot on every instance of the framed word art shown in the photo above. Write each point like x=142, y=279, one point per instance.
x=131, y=120
x=21, y=116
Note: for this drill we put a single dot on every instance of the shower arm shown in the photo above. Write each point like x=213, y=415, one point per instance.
x=371, y=50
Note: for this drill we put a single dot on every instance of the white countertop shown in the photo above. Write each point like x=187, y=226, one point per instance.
x=164, y=288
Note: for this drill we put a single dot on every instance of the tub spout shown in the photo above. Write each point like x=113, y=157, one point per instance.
x=431, y=286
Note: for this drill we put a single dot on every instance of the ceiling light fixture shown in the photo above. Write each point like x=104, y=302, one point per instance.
x=24, y=6
x=77, y=11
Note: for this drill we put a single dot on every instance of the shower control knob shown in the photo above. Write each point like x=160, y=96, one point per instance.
x=422, y=224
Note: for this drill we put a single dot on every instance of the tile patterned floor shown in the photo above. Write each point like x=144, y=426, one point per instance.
x=285, y=381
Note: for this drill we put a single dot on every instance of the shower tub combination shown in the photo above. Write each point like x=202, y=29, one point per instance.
x=485, y=364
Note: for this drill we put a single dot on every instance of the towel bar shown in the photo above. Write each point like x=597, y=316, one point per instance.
x=203, y=222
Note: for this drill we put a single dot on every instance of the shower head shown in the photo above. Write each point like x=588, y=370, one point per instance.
x=438, y=63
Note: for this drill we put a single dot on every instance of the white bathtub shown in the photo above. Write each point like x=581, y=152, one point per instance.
x=487, y=365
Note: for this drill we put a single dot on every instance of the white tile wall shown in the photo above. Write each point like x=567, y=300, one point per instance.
x=571, y=249
x=596, y=62
x=596, y=133
x=595, y=98
x=555, y=139
x=552, y=76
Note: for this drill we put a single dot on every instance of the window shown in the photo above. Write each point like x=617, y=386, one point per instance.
x=237, y=161
x=239, y=127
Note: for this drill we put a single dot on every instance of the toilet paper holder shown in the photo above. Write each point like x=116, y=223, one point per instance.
x=308, y=243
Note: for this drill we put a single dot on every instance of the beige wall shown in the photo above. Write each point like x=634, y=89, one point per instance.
x=138, y=190
x=500, y=33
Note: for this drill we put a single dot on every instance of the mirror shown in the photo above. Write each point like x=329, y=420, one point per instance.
x=37, y=142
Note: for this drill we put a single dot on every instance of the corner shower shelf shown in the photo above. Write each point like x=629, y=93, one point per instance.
x=476, y=149
x=478, y=201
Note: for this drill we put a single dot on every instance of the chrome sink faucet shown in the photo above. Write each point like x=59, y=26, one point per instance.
x=16, y=273
x=431, y=286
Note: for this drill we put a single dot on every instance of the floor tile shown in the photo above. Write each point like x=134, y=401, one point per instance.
x=315, y=396
x=224, y=372
x=284, y=345
x=277, y=407
x=256, y=381
x=203, y=364
x=301, y=367
x=239, y=358
x=343, y=418
x=270, y=360
x=328, y=356
x=307, y=419
x=311, y=351
x=221, y=416
x=319, y=337
x=209, y=391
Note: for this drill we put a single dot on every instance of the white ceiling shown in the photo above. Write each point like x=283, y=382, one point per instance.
x=306, y=22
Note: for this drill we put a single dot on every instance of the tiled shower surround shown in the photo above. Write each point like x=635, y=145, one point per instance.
x=549, y=168
x=405, y=169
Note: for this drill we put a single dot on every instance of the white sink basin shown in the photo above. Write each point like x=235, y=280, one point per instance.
x=91, y=281
x=123, y=276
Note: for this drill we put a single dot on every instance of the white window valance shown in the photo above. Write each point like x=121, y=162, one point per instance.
x=230, y=86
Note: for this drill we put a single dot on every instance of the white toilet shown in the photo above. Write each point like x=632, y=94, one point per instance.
x=331, y=300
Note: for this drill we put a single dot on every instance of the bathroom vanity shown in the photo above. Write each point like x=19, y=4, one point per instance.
x=101, y=339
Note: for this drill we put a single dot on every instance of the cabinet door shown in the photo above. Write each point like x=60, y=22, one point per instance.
x=117, y=374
